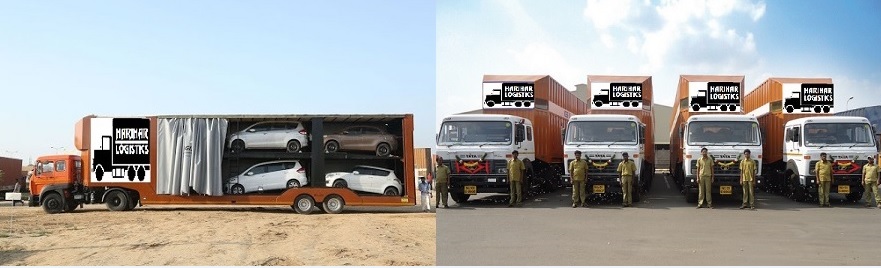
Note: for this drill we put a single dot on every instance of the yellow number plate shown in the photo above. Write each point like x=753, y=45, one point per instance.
x=724, y=189
x=599, y=189
x=843, y=189
x=470, y=189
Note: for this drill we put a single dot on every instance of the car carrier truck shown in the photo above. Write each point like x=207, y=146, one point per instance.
x=725, y=134
x=476, y=145
x=795, y=138
x=606, y=132
x=182, y=161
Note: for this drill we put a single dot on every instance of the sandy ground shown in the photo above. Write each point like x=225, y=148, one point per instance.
x=164, y=235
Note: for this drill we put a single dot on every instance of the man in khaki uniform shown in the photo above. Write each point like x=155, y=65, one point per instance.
x=870, y=183
x=442, y=180
x=705, y=179
x=515, y=175
x=626, y=170
x=578, y=170
x=823, y=169
x=747, y=180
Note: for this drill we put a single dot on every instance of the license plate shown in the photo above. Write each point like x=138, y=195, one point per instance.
x=724, y=189
x=491, y=180
x=599, y=189
x=470, y=189
x=843, y=189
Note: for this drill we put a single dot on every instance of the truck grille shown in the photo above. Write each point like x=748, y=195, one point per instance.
x=473, y=166
x=842, y=167
x=725, y=167
x=602, y=166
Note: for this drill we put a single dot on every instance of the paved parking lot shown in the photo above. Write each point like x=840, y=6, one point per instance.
x=661, y=230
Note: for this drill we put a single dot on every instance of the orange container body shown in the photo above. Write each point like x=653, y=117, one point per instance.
x=765, y=102
x=554, y=104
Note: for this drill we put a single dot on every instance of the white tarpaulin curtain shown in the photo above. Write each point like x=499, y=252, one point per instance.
x=189, y=155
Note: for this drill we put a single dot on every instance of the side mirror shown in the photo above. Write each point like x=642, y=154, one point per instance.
x=796, y=137
x=518, y=133
x=356, y=172
x=251, y=130
x=563, y=135
x=250, y=173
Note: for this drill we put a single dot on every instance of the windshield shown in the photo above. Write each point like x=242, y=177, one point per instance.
x=723, y=133
x=839, y=134
x=476, y=132
x=582, y=132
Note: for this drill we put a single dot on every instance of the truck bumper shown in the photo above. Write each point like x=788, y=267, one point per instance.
x=492, y=183
x=610, y=184
x=718, y=183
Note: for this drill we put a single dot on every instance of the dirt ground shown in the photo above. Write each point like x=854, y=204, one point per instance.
x=165, y=235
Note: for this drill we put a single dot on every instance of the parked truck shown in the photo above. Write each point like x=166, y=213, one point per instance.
x=725, y=135
x=186, y=164
x=125, y=152
x=508, y=94
x=604, y=134
x=477, y=145
x=10, y=168
x=794, y=140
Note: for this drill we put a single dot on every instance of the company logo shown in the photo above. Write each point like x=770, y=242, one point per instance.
x=600, y=164
x=724, y=156
x=617, y=95
x=845, y=167
x=472, y=167
x=600, y=155
x=726, y=165
x=120, y=150
x=714, y=96
x=808, y=98
x=508, y=95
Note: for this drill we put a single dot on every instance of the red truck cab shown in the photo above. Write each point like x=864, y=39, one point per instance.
x=51, y=175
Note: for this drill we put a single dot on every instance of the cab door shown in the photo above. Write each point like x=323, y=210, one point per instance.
x=44, y=174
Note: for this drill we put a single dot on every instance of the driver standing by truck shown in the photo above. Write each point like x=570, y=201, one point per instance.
x=705, y=179
x=823, y=169
x=515, y=175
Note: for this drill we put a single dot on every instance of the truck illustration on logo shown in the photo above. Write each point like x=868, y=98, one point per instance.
x=719, y=96
x=125, y=152
x=818, y=98
x=619, y=94
x=516, y=94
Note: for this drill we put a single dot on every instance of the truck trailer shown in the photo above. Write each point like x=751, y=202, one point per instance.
x=725, y=133
x=11, y=170
x=477, y=145
x=182, y=160
x=795, y=138
x=605, y=133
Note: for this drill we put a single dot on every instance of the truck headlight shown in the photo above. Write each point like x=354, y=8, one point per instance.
x=692, y=180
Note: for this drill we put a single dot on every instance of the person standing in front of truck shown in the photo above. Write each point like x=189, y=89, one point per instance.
x=626, y=169
x=578, y=169
x=515, y=174
x=823, y=169
x=705, y=179
x=747, y=180
x=425, y=191
x=870, y=183
x=442, y=178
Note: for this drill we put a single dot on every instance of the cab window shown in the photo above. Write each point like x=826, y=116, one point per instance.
x=48, y=166
x=60, y=165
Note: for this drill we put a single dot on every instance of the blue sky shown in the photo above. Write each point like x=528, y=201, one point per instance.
x=62, y=60
x=572, y=39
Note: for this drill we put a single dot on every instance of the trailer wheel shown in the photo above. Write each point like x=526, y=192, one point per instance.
x=304, y=204
x=383, y=149
x=53, y=203
x=695, y=107
x=293, y=146
x=117, y=201
x=490, y=103
x=333, y=204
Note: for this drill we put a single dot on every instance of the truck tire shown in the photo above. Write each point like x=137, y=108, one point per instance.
x=817, y=109
x=490, y=103
x=518, y=104
x=131, y=173
x=53, y=203
x=598, y=103
x=635, y=104
x=383, y=149
x=117, y=201
x=527, y=104
x=304, y=204
x=333, y=204
x=854, y=196
x=691, y=197
x=790, y=109
x=723, y=108
x=69, y=206
x=826, y=109
x=637, y=195
x=142, y=173
x=626, y=104
x=293, y=146
x=460, y=197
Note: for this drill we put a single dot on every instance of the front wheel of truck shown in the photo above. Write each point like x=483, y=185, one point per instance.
x=691, y=197
x=854, y=196
x=460, y=197
x=117, y=201
x=53, y=203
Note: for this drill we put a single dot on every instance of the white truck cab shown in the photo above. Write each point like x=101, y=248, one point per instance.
x=725, y=137
x=476, y=147
x=847, y=141
x=602, y=139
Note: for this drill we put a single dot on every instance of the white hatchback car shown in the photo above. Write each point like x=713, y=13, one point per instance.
x=267, y=176
x=366, y=179
x=290, y=135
